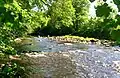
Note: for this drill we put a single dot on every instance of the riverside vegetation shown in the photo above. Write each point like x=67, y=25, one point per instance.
x=23, y=18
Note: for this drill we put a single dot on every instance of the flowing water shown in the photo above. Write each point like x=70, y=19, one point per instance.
x=52, y=59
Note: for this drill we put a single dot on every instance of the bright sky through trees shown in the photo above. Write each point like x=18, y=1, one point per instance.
x=92, y=12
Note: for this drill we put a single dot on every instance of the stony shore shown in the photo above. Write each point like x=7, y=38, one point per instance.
x=77, y=39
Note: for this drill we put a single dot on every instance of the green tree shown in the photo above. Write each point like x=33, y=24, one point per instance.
x=108, y=14
x=81, y=13
x=16, y=21
x=61, y=15
x=40, y=4
x=12, y=24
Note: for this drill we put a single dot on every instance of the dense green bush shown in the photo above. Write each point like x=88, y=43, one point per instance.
x=98, y=28
x=14, y=23
x=12, y=70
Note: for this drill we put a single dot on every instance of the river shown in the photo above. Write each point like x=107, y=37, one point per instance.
x=52, y=59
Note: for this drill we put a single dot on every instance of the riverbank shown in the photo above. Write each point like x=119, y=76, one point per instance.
x=77, y=39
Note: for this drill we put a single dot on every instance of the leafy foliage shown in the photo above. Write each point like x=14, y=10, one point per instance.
x=61, y=15
x=81, y=13
x=11, y=70
x=103, y=10
x=14, y=22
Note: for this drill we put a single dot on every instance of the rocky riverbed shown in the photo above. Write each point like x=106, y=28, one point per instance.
x=48, y=58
